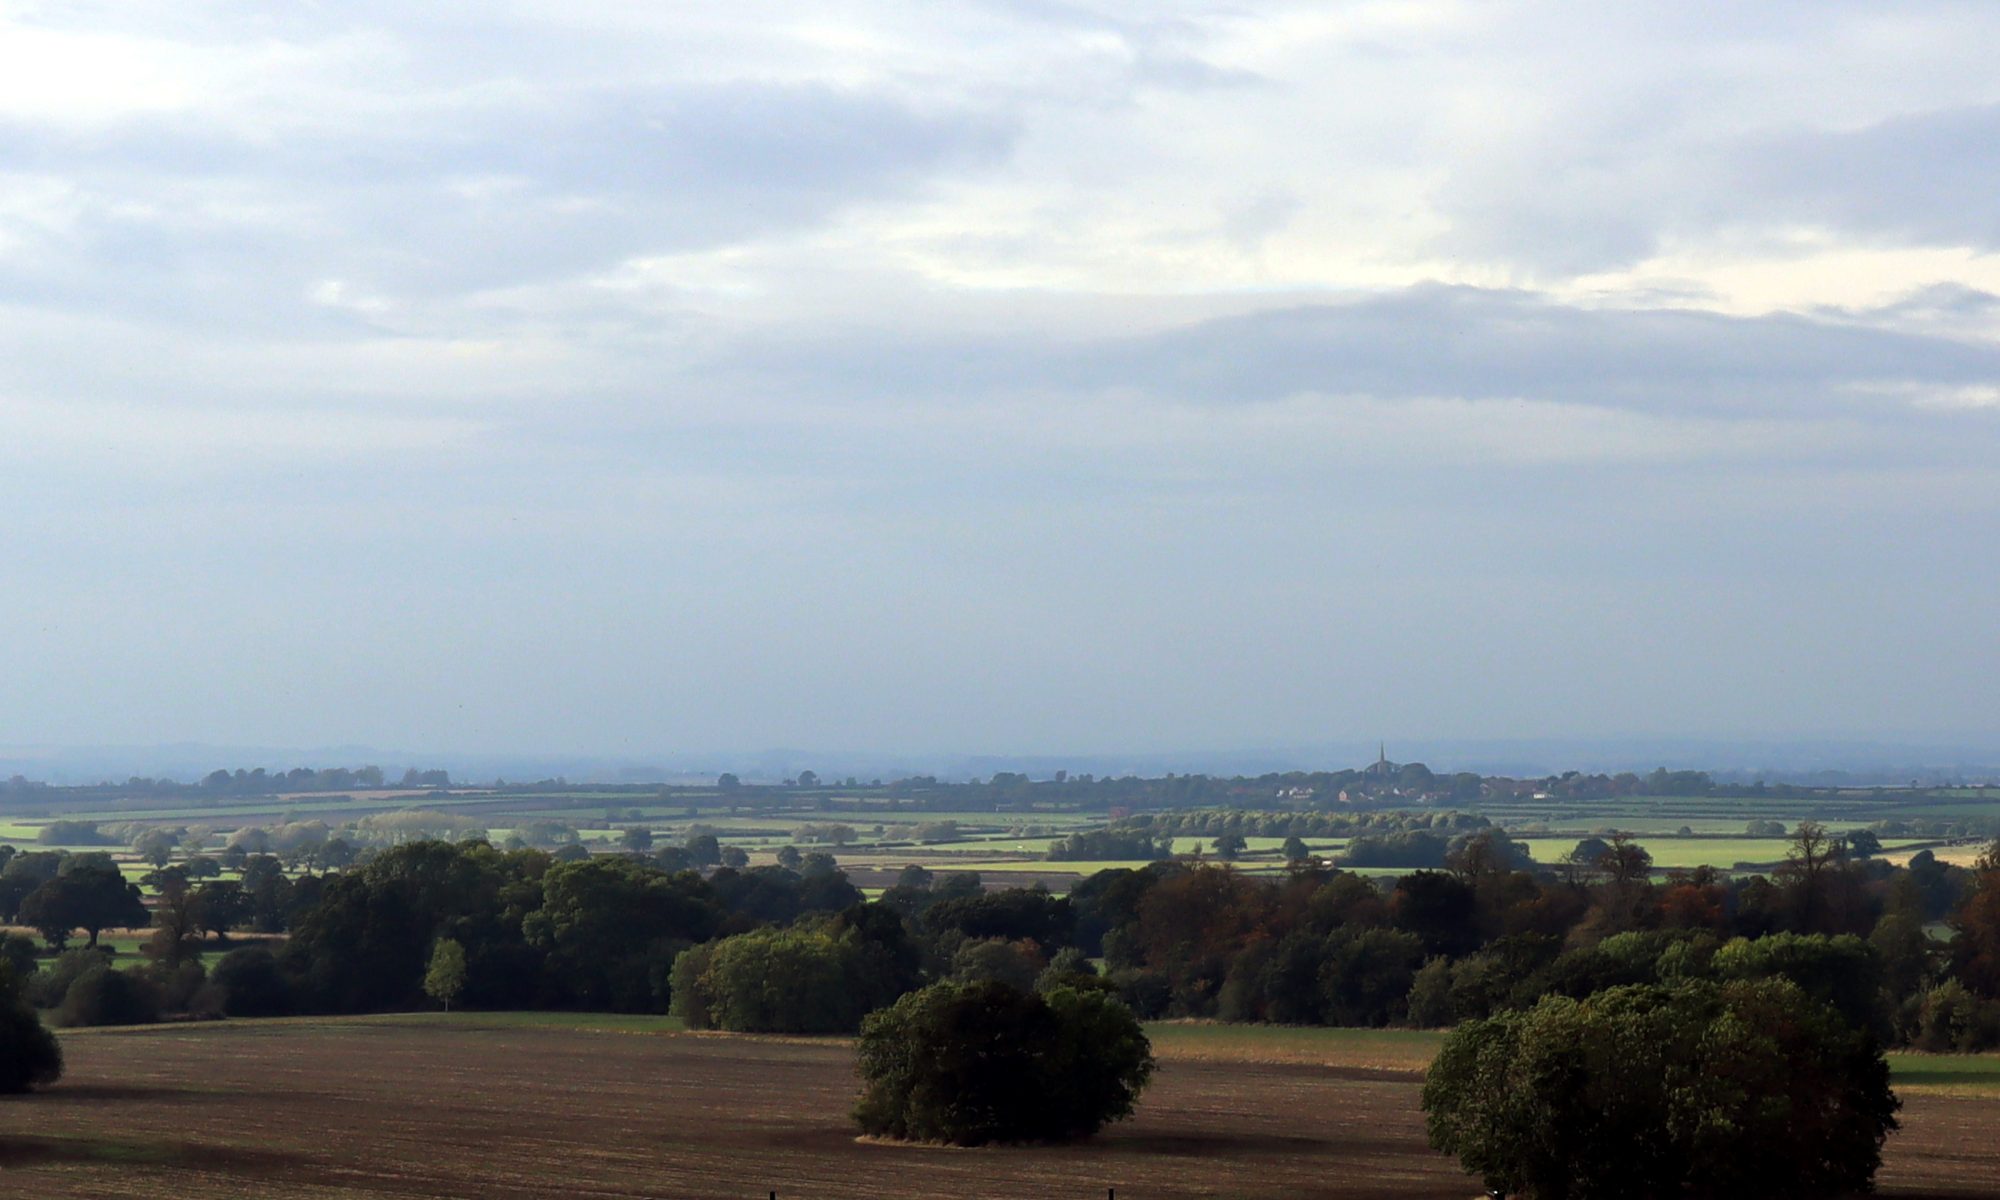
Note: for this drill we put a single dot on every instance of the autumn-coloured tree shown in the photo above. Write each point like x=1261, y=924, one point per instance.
x=1976, y=946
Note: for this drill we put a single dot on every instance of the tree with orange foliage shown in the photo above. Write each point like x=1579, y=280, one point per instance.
x=1976, y=946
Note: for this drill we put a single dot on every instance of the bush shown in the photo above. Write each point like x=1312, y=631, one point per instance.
x=1953, y=1020
x=49, y=988
x=983, y=1062
x=1741, y=1089
x=17, y=951
x=108, y=997
x=180, y=988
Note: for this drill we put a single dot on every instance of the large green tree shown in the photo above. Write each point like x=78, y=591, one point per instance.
x=613, y=925
x=983, y=1062
x=90, y=894
x=1740, y=1089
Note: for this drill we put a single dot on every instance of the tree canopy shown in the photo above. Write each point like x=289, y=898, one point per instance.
x=972, y=1063
x=1740, y=1089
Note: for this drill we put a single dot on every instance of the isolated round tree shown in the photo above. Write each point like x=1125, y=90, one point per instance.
x=1741, y=1089
x=972, y=1063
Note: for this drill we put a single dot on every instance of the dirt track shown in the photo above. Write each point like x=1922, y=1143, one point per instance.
x=348, y=1111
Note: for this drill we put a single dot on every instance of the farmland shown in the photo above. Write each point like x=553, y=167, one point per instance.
x=1011, y=848
x=514, y=1106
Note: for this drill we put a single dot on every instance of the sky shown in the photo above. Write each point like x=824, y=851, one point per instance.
x=1018, y=376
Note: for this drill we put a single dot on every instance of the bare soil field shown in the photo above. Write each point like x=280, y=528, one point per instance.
x=417, y=1106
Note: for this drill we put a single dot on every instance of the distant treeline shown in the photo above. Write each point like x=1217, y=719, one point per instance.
x=1382, y=786
x=255, y=782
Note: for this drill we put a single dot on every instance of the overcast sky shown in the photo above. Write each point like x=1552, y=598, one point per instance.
x=659, y=378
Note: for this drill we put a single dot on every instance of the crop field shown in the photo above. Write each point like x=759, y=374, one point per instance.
x=528, y=1105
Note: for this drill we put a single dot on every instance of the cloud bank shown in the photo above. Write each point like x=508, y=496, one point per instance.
x=1005, y=377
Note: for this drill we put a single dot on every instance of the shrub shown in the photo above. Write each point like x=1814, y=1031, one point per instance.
x=178, y=988
x=1952, y=1019
x=972, y=1063
x=1741, y=1089
x=108, y=997
x=17, y=951
x=48, y=989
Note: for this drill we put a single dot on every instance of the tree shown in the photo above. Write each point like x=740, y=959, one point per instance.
x=1014, y=963
x=1228, y=846
x=338, y=854
x=735, y=857
x=1624, y=860
x=1812, y=859
x=704, y=850
x=789, y=857
x=727, y=782
x=445, y=978
x=612, y=926
x=156, y=845
x=975, y=1063
x=775, y=981
x=1745, y=1089
x=91, y=894
x=638, y=839
x=1975, y=945
x=220, y=906
x=1295, y=849
x=176, y=924
x=29, y=1055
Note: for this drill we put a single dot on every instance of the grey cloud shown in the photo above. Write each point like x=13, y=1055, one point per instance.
x=1589, y=201
x=448, y=200
x=1929, y=177
x=1443, y=341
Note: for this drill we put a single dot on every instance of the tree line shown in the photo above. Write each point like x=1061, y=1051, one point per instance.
x=1483, y=932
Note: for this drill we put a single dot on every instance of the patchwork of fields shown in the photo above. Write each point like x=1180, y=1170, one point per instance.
x=519, y=1106
x=1008, y=849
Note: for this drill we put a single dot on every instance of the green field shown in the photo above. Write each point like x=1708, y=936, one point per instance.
x=1947, y=1073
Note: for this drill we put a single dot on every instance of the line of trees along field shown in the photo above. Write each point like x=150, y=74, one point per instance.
x=1434, y=947
x=1379, y=786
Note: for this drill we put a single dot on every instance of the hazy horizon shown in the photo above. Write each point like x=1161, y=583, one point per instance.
x=1013, y=377
x=1859, y=762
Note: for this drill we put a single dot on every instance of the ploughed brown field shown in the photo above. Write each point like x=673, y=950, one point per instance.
x=413, y=1107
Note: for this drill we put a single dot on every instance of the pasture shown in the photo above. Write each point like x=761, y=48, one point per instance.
x=519, y=1106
